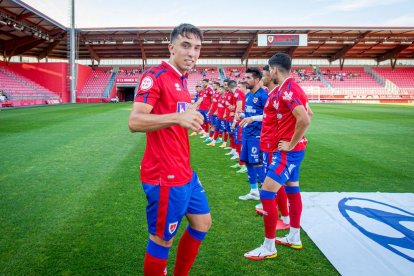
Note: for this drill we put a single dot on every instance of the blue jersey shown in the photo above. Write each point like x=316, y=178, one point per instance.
x=255, y=103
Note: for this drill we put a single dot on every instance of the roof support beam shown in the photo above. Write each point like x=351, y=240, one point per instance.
x=18, y=42
x=48, y=50
x=141, y=47
x=93, y=54
x=292, y=51
x=249, y=47
x=394, y=53
x=21, y=49
x=347, y=48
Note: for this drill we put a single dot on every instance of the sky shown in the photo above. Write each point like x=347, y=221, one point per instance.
x=138, y=13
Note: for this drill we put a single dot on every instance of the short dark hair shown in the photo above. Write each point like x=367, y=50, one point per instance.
x=216, y=83
x=185, y=29
x=282, y=61
x=207, y=80
x=256, y=73
x=226, y=80
x=244, y=84
x=198, y=86
x=266, y=68
x=232, y=84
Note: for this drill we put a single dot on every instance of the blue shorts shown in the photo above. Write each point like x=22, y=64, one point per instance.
x=220, y=125
x=285, y=166
x=237, y=135
x=205, y=116
x=266, y=160
x=168, y=205
x=228, y=127
x=213, y=120
x=250, y=151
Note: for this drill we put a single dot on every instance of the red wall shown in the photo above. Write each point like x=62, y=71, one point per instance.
x=53, y=76
x=84, y=73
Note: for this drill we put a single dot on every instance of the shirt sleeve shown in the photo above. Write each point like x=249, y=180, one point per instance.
x=264, y=99
x=148, y=90
x=294, y=100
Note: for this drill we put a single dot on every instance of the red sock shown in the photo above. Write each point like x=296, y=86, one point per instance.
x=154, y=266
x=238, y=148
x=226, y=136
x=187, y=251
x=206, y=127
x=295, y=205
x=211, y=133
x=155, y=260
x=270, y=213
x=232, y=141
x=216, y=134
x=281, y=200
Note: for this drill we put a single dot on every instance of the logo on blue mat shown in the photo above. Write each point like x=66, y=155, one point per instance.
x=381, y=213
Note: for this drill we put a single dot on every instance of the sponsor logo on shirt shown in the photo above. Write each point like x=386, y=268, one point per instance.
x=172, y=227
x=146, y=83
x=182, y=106
x=250, y=109
x=287, y=96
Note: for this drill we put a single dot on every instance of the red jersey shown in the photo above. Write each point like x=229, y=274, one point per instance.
x=230, y=102
x=239, y=96
x=166, y=160
x=269, y=124
x=206, y=94
x=214, y=103
x=288, y=96
x=221, y=107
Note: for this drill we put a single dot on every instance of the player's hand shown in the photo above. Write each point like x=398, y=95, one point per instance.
x=245, y=122
x=191, y=119
x=284, y=146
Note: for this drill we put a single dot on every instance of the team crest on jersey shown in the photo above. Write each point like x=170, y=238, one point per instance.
x=172, y=227
x=255, y=100
x=182, y=106
x=146, y=83
x=177, y=87
x=287, y=96
x=276, y=105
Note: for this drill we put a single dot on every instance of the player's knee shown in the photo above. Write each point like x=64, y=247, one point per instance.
x=162, y=242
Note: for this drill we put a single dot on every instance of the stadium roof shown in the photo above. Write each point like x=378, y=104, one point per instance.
x=26, y=31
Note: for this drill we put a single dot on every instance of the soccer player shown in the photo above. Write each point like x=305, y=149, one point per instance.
x=250, y=151
x=163, y=110
x=230, y=109
x=198, y=89
x=240, y=95
x=293, y=119
x=268, y=146
x=213, y=108
x=220, y=113
x=206, y=93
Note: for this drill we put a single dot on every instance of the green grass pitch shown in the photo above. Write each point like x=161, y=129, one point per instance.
x=71, y=201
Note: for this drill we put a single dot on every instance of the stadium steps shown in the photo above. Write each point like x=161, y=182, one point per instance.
x=18, y=87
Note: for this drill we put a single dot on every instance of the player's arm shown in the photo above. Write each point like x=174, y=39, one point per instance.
x=302, y=124
x=239, y=110
x=141, y=120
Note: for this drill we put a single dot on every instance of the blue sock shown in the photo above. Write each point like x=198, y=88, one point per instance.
x=261, y=173
x=252, y=175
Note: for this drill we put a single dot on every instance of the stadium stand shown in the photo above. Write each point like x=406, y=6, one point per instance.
x=402, y=77
x=101, y=79
x=20, y=90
